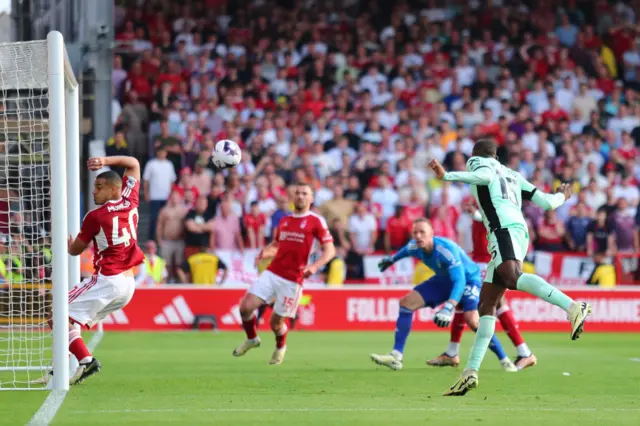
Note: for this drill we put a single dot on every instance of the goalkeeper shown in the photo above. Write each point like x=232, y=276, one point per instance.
x=457, y=281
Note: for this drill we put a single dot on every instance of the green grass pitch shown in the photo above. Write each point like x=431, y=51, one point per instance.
x=327, y=379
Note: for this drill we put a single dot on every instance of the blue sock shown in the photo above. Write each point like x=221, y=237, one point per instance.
x=403, y=328
x=496, y=348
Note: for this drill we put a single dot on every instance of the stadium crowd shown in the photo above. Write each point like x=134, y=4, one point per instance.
x=355, y=97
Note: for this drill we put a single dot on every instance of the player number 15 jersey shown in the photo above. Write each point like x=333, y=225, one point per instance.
x=113, y=229
x=296, y=236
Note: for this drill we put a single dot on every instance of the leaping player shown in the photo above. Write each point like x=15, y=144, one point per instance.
x=112, y=228
x=499, y=191
x=525, y=358
x=282, y=281
x=456, y=283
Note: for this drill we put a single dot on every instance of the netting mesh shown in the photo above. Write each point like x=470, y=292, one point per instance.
x=25, y=215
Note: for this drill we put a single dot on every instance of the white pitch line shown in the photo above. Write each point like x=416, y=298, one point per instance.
x=348, y=409
x=47, y=411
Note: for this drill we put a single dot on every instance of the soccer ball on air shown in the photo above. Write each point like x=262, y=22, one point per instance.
x=226, y=154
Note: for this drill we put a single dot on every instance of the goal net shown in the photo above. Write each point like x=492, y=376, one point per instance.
x=38, y=123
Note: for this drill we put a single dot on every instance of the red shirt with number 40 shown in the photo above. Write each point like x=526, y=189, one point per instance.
x=113, y=229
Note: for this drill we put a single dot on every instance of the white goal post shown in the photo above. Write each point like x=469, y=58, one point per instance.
x=39, y=209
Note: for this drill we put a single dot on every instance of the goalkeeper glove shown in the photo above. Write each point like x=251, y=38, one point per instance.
x=443, y=317
x=384, y=264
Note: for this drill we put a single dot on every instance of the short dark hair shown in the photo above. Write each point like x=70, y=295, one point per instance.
x=421, y=220
x=485, y=148
x=112, y=178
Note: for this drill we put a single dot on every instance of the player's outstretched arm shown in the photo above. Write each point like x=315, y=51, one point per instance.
x=328, y=253
x=480, y=176
x=130, y=164
x=542, y=199
x=75, y=246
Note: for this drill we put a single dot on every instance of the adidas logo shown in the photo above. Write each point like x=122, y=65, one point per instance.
x=175, y=313
x=117, y=317
x=233, y=317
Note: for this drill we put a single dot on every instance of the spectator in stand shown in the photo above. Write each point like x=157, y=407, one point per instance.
x=340, y=236
x=185, y=184
x=338, y=207
x=363, y=232
x=577, y=225
x=551, y=232
x=397, y=232
x=443, y=223
x=622, y=221
x=556, y=88
x=170, y=232
x=225, y=229
x=198, y=227
x=600, y=235
x=117, y=145
x=154, y=269
x=254, y=225
x=158, y=177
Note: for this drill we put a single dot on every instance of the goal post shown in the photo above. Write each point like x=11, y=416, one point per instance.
x=39, y=209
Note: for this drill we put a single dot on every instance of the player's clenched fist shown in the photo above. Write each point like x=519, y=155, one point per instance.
x=95, y=163
x=437, y=168
x=444, y=316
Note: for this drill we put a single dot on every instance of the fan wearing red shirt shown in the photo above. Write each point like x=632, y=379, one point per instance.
x=398, y=231
x=254, y=223
x=111, y=227
x=290, y=249
x=481, y=256
x=185, y=184
x=554, y=113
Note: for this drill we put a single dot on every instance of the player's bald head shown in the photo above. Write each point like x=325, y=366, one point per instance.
x=485, y=148
x=111, y=178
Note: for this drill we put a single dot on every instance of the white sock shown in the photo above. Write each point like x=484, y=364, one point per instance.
x=86, y=360
x=523, y=350
x=452, y=349
x=397, y=355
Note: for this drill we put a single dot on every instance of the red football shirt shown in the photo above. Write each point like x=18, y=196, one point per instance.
x=296, y=235
x=255, y=222
x=113, y=229
x=479, y=238
x=399, y=230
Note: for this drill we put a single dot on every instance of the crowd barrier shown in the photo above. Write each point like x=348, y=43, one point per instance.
x=566, y=269
x=360, y=308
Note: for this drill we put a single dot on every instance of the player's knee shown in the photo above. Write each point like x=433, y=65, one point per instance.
x=410, y=302
x=471, y=318
x=487, y=307
x=509, y=273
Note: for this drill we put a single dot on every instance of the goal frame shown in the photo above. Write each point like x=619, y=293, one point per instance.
x=64, y=141
x=64, y=156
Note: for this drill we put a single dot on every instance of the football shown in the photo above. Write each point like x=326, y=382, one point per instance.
x=226, y=154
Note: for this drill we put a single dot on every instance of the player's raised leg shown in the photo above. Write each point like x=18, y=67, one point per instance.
x=525, y=357
x=248, y=306
x=408, y=304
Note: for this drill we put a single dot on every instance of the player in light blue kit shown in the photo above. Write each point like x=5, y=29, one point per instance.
x=457, y=282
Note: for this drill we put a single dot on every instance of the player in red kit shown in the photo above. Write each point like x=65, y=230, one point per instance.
x=112, y=228
x=290, y=249
x=481, y=256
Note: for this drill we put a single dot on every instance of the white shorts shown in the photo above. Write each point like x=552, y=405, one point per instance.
x=286, y=293
x=98, y=296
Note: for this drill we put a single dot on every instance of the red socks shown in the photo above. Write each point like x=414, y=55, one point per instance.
x=457, y=327
x=250, y=327
x=78, y=348
x=281, y=337
x=510, y=325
